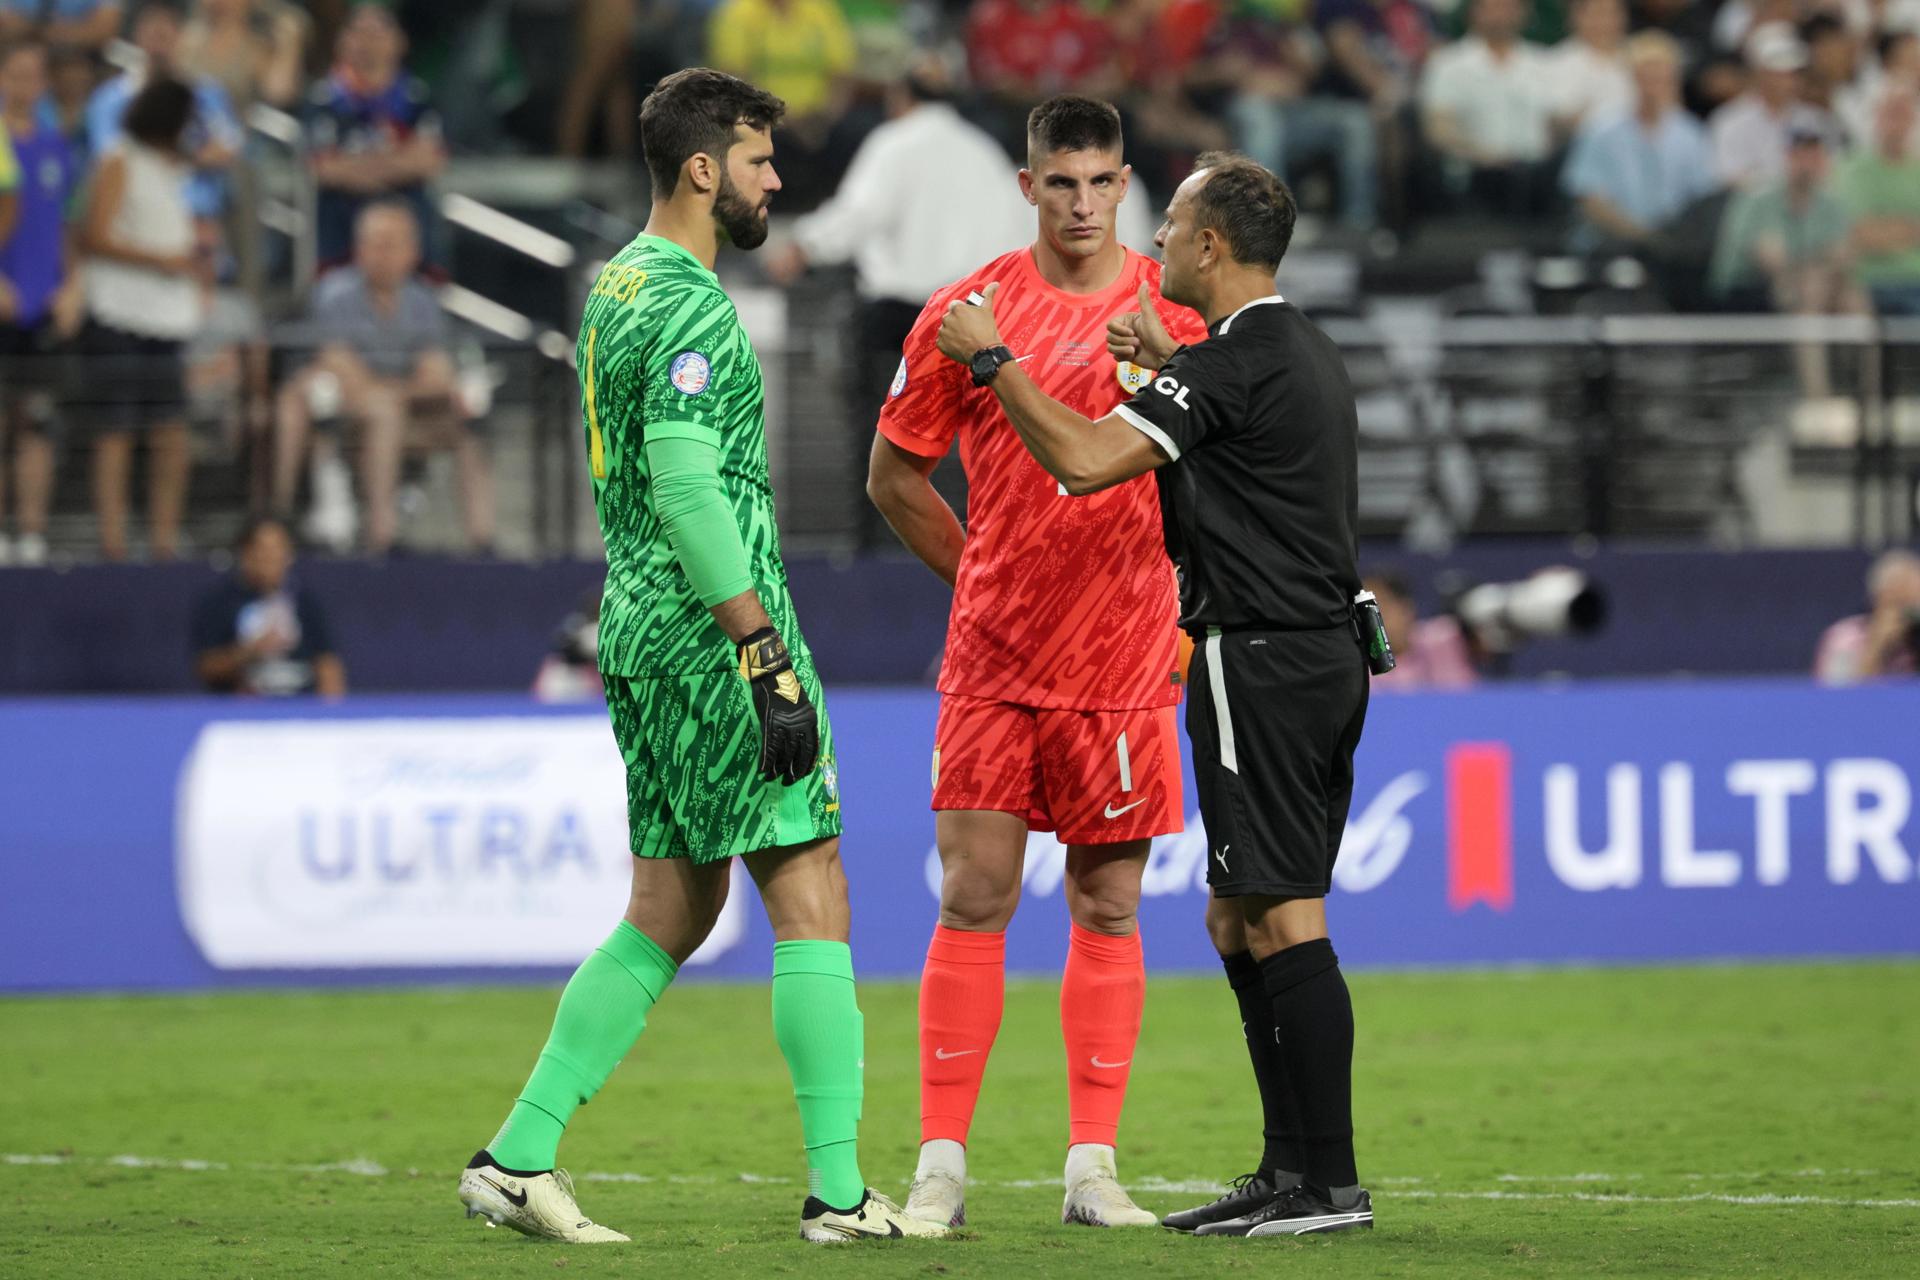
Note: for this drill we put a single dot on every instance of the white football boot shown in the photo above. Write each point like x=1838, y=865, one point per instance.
x=939, y=1190
x=1095, y=1197
x=874, y=1218
x=541, y=1206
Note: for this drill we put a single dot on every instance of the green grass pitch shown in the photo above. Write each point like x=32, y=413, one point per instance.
x=1724, y=1120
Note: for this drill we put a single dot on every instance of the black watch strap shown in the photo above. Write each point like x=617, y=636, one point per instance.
x=986, y=364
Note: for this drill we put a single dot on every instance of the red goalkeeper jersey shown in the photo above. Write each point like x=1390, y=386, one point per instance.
x=1061, y=601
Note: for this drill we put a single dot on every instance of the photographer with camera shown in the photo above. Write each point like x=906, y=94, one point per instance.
x=1884, y=641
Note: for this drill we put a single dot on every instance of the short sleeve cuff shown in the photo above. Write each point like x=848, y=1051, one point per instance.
x=912, y=443
x=697, y=432
x=1138, y=422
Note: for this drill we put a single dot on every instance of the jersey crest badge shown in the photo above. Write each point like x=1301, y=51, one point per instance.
x=1132, y=377
x=690, y=373
x=830, y=780
x=899, y=380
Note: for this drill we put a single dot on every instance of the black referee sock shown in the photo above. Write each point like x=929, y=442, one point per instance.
x=1283, y=1160
x=1314, y=1017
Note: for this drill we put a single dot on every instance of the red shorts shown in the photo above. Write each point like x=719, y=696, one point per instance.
x=1092, y=777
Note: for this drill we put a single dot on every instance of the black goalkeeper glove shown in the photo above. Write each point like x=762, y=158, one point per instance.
x=789, y=730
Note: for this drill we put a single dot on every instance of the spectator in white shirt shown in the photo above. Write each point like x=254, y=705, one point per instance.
x=1589, y=68
x=927, y=198
x=1487, y=104
x=1750, y=133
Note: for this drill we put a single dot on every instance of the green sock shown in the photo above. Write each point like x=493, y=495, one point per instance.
x=821, y=1033
x=602, y=1012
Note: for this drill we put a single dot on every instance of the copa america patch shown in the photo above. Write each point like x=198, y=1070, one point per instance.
x=690, y=373
x=899, y=380
x=1132, y=377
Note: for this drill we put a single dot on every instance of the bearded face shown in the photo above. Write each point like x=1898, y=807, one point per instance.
x=741, y=221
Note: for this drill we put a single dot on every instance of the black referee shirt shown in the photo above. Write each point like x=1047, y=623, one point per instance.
x=1260, y=500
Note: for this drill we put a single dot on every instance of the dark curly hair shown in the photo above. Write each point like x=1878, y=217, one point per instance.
x=694, y=112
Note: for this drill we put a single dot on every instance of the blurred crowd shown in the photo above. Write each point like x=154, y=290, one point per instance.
x=139, y=281
x=1754, y=154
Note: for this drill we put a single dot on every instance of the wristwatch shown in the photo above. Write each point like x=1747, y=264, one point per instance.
x=986, y=364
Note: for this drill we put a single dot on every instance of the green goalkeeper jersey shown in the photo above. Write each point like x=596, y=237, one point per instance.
x=662, y=355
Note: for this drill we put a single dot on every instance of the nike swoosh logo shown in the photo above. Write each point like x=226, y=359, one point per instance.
x=1108, y=1065
x=1220, y=856
x=1114, y=813
x=518, y=1199
x=943, y=1054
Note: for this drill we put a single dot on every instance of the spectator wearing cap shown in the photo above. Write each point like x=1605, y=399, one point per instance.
x=1880, y=187
x=1750, y=133
x=374, y=133
x=1589, y=70
x=1783, y=246
x=79, y=24
x=1487, y=101
x=1735, y=21
x=1632, y=174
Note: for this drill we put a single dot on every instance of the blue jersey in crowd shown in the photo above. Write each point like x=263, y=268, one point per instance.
x=349, y=118
x=32, y=258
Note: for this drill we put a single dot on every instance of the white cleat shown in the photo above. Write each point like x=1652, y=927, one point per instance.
x=1095, y=1197
x=938, y=1196
x=874, y=1218
x=541, y=1206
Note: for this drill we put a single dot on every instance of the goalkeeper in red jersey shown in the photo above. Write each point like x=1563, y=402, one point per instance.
x=1059, y=685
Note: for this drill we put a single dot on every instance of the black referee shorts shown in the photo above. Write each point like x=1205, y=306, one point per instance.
x=1274, y=717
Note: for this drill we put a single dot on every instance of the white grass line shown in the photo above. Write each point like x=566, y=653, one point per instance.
x=1145, y=1185
x=359, y=1168
x=1698, y=1197
x=1746, y=1176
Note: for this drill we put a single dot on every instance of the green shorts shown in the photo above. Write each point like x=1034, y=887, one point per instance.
x=692, y=747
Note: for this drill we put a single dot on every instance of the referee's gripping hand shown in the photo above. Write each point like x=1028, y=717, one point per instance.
x=789, y=729
x=1138, y=336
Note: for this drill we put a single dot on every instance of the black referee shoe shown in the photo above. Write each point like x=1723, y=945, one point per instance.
x=1301, y=1212
x=1247, y=1192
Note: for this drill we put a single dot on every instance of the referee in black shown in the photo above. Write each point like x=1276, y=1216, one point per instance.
x=1255, y=434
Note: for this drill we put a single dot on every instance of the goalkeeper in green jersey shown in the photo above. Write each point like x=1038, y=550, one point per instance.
x=712, y=692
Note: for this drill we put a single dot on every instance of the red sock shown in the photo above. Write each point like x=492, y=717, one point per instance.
x=962, y=991
x=1101, y=996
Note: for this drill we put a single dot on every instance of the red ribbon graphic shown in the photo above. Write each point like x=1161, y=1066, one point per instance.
x=1480, y=825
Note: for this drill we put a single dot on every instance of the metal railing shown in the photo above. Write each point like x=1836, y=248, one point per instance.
x=1616, y=427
